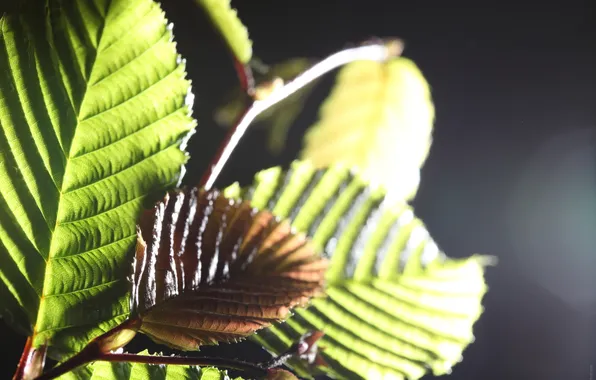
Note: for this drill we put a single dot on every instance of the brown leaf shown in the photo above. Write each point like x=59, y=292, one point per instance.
x=210, y=269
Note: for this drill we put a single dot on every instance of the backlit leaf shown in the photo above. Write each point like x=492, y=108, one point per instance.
x=94, y=108
x=209, y=269
x=396, y=305
x=226, y=20
x=378, y=118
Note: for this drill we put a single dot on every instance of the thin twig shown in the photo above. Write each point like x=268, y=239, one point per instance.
x=250, y=368
x=245, y=76
x=305, y=348
x=92, y=354
x=95, y=351
x=85, y=356
x=371, y=52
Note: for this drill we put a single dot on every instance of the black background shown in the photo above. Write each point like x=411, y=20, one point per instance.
x=505, y=77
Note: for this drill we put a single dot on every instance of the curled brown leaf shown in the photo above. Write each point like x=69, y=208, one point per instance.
x=210, y=269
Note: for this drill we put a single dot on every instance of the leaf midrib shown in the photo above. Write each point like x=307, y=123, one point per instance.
x=48, y=279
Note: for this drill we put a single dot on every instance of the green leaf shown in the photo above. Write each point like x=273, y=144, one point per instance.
x=226, y=20
x=135, y=371
x=209, y=269
x=94, y=108
x=378, y=118
x=279, y=118
x=396, y=304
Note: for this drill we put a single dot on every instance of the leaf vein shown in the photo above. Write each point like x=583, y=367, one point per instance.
x=134, y=96
x=105, y=284
x=52, y=329
x=93, y=249
x=138, y=56
x=101, y=213
x=130, y=30
x=133, y=134
x=165, y=150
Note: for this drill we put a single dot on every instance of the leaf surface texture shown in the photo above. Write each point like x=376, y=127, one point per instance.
x=378, y=118
x=209, y=269
x=94, y=108
x=396, y=306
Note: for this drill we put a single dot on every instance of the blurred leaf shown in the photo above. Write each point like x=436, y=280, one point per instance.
x=209, y=269
x=378, y=118
x=226, y=20
x=94, y=109
x=279, y=118
x=396, y=305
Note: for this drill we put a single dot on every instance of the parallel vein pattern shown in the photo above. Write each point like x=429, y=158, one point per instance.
x=94, y=107
x=396, y=306
x=209, y=269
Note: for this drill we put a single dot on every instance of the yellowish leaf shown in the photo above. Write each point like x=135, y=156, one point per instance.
x=378, y=118
x=233, y=31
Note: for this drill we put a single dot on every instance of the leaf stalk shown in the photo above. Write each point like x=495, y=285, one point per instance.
x=380, y=51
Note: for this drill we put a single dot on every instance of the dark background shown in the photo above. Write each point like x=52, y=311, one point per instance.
x=512, y=171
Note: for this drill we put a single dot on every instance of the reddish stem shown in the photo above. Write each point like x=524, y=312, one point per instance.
x=95, y=351
x=87, y=355
x=244, y=73
x=32, y=361
x=374, y=52
x=112, y=340
x=20, y=372
x=222, y=155
x=247, y=82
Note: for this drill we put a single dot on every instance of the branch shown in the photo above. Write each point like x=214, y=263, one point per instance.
x=305, y=348
x=373, y=52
